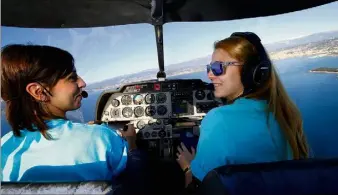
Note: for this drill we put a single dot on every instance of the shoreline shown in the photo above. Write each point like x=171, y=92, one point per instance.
x=327, y=72
x=199, y=69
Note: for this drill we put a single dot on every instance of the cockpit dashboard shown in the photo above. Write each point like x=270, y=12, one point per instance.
x=162, y=111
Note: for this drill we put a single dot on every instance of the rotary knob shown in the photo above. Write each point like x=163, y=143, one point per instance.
x=146, y=135
x=161, y=134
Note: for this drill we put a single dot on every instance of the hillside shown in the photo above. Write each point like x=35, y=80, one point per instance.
x=315, y=49
x=277, y=46
x=195, y=65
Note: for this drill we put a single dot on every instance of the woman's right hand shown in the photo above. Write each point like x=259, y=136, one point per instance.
x=130, y=135
x=94, y=122
x=129, y=131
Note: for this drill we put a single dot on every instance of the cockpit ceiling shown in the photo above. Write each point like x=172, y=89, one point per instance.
x=96, y=13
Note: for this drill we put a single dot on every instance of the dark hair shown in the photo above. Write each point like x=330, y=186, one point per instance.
x=21, y=65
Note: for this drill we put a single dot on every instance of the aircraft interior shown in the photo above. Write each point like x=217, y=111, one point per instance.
x=165, y=112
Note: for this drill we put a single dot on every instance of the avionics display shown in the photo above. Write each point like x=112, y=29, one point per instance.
x=180, y=108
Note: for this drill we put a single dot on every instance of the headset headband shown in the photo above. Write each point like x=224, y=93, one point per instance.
x=254, y=40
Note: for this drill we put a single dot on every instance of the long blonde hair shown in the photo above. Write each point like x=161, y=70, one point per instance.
x=280, y=104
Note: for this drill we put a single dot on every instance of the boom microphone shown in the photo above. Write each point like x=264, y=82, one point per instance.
x=84, y=94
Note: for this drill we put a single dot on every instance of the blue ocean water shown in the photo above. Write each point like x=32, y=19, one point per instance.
x=315, y=94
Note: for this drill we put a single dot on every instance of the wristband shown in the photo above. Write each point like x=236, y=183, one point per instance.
x=186, y=170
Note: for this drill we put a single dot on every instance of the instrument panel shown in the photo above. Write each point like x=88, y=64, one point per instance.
x=126, y=107
x=152, y=107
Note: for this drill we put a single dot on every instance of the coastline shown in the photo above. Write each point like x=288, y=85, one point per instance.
x=322, y=71
x=190, y=70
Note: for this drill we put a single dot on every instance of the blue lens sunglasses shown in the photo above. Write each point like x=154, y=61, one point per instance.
x=218, y=68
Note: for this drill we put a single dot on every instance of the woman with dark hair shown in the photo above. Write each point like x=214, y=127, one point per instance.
x=39, y=85
x=259, y=123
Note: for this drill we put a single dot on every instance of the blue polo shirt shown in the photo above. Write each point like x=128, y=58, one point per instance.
x=78, y=152
x=239, y=134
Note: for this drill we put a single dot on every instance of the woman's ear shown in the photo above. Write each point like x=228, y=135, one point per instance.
x=37, y=92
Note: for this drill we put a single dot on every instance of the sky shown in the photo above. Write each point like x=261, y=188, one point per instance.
x=105, y=52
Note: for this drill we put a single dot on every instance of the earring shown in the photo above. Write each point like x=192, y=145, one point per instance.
x=43, y=98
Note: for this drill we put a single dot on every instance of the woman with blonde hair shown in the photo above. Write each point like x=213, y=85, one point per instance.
x=259, y=123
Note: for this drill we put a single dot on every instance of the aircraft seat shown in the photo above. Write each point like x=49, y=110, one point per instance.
x=60, y=188
x=294, y=177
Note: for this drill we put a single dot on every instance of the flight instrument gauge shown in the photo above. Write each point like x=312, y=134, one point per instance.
x=138, y=99
x=150, y=98
x=115, y=113
x=150, y=110
x=140, y=124
x=126, y=100
x=161, y=110
x=139, y=111
x=161, y=98
x=200, y=95
x=127, y=112
x=115, y=102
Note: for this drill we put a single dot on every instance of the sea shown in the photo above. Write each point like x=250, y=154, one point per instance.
x=315, y=94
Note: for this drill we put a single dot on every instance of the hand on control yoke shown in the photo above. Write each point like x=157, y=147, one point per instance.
x=124, y=129
x=94, y=122
x=129, y=133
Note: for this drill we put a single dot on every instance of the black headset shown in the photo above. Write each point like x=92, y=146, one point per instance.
x=255, y=72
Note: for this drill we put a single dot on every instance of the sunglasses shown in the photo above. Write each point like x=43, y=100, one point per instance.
x=218, y=68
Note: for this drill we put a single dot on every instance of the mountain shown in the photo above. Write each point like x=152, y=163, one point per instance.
x=319, y=44
x=302, y=40
x=327, y=47
x=171, y=70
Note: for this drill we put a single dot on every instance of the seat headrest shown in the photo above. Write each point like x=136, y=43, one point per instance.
x=298, y=177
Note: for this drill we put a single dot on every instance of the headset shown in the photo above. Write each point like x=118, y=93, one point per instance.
x=255, y=72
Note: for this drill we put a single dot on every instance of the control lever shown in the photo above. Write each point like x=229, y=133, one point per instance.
x=185, y=124
x=191, y=118
x=118, y=125
x=121, y=125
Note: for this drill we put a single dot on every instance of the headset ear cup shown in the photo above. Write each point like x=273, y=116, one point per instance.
x=261, y=73
x=244, y=77
x=247, y=77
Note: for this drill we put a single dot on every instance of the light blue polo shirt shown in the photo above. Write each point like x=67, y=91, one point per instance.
x=79, y=152
x=238, y=134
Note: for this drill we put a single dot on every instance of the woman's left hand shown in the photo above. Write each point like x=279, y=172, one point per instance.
x=184, y=157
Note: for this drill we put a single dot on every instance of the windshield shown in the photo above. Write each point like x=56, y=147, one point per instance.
x=303, y=45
